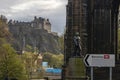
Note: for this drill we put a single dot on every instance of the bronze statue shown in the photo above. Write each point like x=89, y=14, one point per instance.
x=77, y=44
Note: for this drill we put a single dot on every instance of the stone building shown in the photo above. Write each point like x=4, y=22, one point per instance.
x=37, y=23
x=97, y=23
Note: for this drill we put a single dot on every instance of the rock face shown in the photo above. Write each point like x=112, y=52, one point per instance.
x=25, y=33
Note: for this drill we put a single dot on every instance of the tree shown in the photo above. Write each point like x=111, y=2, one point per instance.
x=57, y=60
x=10, y=63
x=118, y=40
x=53, y=59
x=4, y=33
x=61, y=43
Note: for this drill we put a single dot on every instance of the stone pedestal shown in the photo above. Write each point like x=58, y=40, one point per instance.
x=76, y=69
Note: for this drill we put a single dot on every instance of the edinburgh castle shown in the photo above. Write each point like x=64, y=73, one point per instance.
x=37, y=23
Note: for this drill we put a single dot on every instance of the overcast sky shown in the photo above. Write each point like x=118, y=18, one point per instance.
x=25, y=10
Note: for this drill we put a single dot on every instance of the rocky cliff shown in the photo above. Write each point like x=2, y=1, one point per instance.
x=40, y=39
x=36, y=38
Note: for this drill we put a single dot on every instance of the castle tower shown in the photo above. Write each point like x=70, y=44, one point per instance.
x=47, y=25
x=75, y=22
x=41, y=23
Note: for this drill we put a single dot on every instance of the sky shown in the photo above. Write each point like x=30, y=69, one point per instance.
x=25, y=10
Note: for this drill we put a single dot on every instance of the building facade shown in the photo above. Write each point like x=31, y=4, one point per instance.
x=97, y=23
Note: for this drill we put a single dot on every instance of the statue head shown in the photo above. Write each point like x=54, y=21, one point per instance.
x=77, y=34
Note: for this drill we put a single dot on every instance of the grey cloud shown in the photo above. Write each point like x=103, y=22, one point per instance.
x=56, y=14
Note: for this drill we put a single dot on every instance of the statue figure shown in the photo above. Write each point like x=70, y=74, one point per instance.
x=77, y=44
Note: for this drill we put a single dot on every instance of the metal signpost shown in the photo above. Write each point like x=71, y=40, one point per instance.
x=110, y=73
x=100, y=60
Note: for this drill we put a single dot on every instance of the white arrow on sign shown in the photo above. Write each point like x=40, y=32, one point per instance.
x=99, y=60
